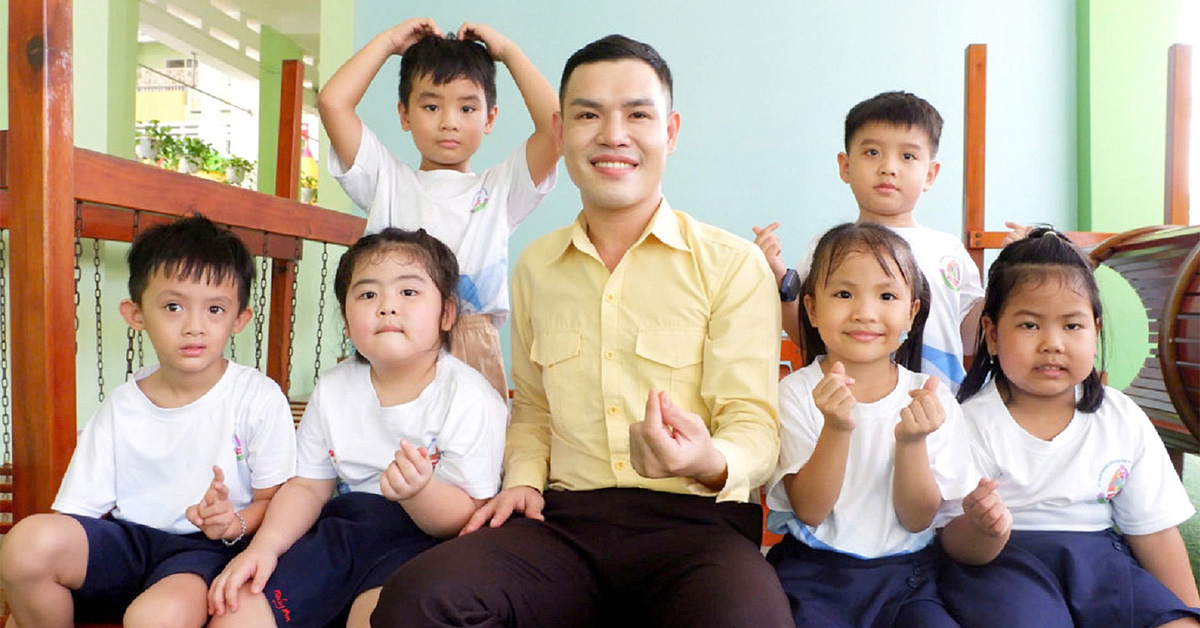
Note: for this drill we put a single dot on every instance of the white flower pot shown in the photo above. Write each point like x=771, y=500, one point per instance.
x=307, y=195
x=189, y=164
x=146, y=150
x=234, y=175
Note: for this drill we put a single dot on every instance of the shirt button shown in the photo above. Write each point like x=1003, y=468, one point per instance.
x=608, y=355
x=609, y=297
x=613, y=410
x=619, y=465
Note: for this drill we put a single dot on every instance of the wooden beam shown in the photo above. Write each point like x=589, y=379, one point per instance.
x=287, y=184
x=974, y=146
x=42, y=254
x=1179, y=124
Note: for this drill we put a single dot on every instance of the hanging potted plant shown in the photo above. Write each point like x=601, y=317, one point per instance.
x=193, y=153
x=308, y=189
x=153, y=140
x=236, y=169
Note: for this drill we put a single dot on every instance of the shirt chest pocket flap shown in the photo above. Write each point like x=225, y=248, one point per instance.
x=674, y=348
x=549, y=349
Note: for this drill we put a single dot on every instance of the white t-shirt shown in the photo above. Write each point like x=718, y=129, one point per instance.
x=459, y=419
x=954, y=287
x=863, y=522
x=472, y=214
x=1106, y=467
x=147, y=464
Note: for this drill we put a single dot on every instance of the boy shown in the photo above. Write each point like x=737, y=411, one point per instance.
x=890, y=159
x=158, y=452
x=448, y=102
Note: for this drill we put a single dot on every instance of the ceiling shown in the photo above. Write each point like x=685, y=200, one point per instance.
x=226, y=33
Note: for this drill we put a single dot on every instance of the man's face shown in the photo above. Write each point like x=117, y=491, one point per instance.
x=615, y=132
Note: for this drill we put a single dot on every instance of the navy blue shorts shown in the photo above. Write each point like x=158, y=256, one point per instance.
x=125, y=559
x=826, y=588
x=357, y=542
x=1060, y=579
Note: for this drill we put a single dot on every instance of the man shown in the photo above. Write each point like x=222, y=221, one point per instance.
x=645, y=350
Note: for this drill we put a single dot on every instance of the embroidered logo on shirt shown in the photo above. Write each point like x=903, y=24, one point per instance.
x=1112, y=479
x=480, y=201
x=432, y=451
x=951, y=272
x=237, y=448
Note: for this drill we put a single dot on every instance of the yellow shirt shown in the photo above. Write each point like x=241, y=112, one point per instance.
x=690, y=309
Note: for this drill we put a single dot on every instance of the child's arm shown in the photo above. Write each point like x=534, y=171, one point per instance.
x=440, y=509
x=541, y=151
x=814, y=489
x=915, y=493
x=772, y=249
x=978, y=535
x=1163, y=554
x=343, y=91
x=293, y=510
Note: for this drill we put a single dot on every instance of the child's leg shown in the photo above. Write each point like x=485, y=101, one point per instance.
x=177, y=600
x=360, y=611
x=44, y=557
x=253, y=611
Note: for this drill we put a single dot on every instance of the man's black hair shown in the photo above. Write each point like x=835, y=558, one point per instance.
x=616, y=48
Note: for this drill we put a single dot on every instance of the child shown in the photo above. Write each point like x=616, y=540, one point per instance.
x=396, y=290
x=1071, y=459
x=184, y=458
x=869, y=447
x=890, y=159
x=448, y=103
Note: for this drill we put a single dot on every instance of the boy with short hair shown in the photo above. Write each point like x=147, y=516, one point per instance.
x=890, y=160
x=176, y=467
x=448, y=103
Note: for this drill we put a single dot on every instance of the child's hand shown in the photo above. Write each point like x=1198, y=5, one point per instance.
x=411, y=31
x=772, y=248
x=1017, y=231
x=524, y=500
x=214, y=513
x=497, y=44
x=986, y=510
x=834, y=399
x=253, y=565
x=923, y=416
x=407, y=474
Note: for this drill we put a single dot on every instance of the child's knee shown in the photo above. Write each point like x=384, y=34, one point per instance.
x=177, y=601
x=40, y=543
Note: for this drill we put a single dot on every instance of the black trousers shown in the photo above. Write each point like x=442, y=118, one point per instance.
x=610, y=557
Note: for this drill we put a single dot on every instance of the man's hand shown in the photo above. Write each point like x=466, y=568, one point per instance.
x=772, y=249
x=411, y=31
x=923, y=416
x=834, y=399
x=518, y=499
x=407, y=474
x=673, y=443
x=497, y=45
x=213, y=514
x=986, y=510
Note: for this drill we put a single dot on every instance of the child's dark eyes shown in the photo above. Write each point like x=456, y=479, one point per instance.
x=871, y=152
x=468, y=109
x=1074, y=326
x=1027, y=325
x=216, y=309
x=174, y=307
x=366, y=295
x=909, y=156
x=430, y=108
x=842, y=294
x=887, y=296
x=409, y=292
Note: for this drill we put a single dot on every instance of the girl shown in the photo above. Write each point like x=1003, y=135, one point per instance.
x=1070, y=457
x=396, y=292
x=869, y=447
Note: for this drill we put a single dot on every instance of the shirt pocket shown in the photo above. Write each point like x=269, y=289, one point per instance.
x=557, y=353
x=672, y=359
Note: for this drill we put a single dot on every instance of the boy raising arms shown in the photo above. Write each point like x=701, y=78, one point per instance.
x=185, y=457
x=890, y=160
x=448, y=103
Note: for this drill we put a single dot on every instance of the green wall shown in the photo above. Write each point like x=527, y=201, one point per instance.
x=275, y=49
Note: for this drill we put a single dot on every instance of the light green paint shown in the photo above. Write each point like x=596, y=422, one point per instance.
x=1122, y=86
x=337, y=45
x=275, y=49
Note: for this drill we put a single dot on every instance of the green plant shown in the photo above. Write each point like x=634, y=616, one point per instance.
x=162, y=143
x=197, y=151
x=237, y=163
x=307, y=181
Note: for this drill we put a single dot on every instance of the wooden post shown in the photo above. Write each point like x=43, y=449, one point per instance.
x=1179, y=107
x=41, y=239
x=287, y=180
x=974, y=150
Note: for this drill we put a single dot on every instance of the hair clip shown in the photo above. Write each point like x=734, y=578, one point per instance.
x=451, y=36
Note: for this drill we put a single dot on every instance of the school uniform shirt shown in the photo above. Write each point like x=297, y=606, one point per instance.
x=863, y=522
x=473, y=214
x=690, y=309
x=954, y=288
x=459, y=419
x=1105, y=467
x=147, y=464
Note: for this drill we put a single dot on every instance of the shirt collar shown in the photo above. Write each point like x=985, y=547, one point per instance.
x=664, y=226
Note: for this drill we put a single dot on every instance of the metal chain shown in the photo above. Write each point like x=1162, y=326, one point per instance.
x=287, y=377
x=321, y=309
x=141, y=356
x=99, y=325
x=260, y=315
x=130, y=332
x=4, y=414
x=78, y=268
